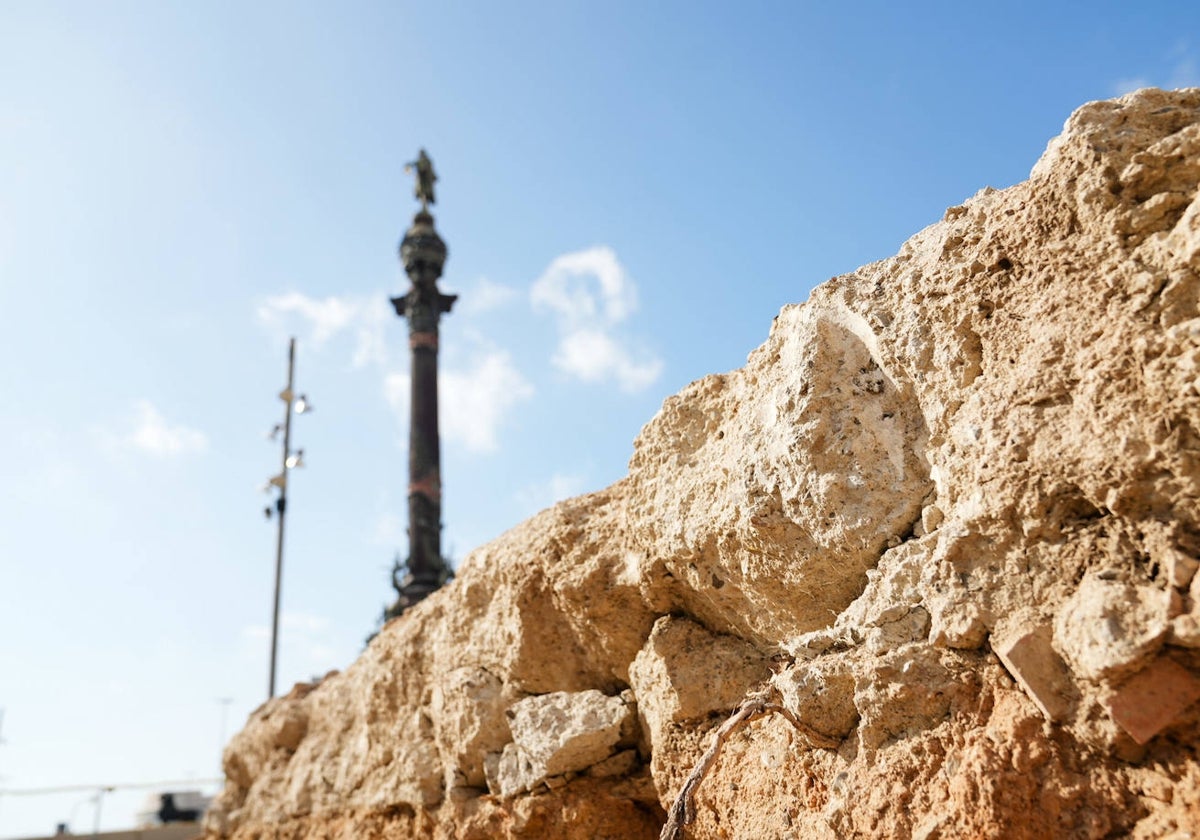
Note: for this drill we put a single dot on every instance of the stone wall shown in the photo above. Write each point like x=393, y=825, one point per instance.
x=947, y=515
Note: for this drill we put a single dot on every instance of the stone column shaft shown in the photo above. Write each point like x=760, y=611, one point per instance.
x=423, y=254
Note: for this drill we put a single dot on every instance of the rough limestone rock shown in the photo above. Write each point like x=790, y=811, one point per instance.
x=555, y=735
x=947, y=516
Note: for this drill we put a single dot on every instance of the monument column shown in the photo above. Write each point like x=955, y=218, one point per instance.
x=423, y=254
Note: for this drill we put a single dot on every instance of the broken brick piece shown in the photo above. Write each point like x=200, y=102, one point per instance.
x=1040, y=671
x=1149, y=701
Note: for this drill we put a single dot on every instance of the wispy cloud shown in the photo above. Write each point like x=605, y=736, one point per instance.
x=370, y=346
x=590, y=295
x=307, y=622
x=594, y=355
x=478, y=399
x=586, y=287
x=303, y=622
x=486, y=296
x=535, y=497
x=320, y=320
x=326, y=317
x=303, y=639
x=1185, y=73
x=1123, y=86
x=153, y=435
x=389, y=529
x=1182, y=72
x=475, y=400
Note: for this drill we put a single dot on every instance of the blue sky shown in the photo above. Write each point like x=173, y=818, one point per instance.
x=629, y=191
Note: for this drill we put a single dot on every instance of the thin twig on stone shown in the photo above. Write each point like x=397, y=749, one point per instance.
x=683, y=809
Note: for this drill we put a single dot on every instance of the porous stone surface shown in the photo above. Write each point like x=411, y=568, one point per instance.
x=947, y=513
x=556, y=734
x=686, y=673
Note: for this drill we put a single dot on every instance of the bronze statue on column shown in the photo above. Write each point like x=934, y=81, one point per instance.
x=423, y=254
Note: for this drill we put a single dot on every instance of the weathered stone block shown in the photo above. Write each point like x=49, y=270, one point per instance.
x=685, y=672
x=821, y=695
x=554, y=734
x=469, y=722
x=1109, y=628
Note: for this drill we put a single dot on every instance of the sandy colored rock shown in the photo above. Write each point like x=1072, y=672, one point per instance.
x=467, y=707
x=988, y=443
x=1110, y=627
x=556, y=734
x=687, y=673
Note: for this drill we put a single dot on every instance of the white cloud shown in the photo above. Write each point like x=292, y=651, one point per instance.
x=593, y=356
x=586, y=287
x=535, y=497
x=478, y=400
x=474, y=401
x=303, y=641
x=153, y=435
x=1123, y=86
x=1183, y=73
x=373, y=317
x=324, y=319
x=396, y=387
x=590, y=294
x=389, y=529
x=306, y=622
x=254, y=632
x=485, y=297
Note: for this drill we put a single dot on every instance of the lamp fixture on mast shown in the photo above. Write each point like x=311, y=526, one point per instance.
x=290, y=461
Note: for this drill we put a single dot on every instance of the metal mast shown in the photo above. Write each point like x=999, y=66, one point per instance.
x=281, y=510
x=289, y=460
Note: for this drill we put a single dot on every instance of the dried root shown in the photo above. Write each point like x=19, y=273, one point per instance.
x=755, y=706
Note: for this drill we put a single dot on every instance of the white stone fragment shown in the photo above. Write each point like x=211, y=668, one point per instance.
x=1109, y=627
x=555, y=734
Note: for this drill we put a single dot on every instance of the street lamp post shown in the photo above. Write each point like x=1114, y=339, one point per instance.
x=290, y=460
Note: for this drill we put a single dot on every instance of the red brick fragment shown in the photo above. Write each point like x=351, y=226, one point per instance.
x=1152, y=699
